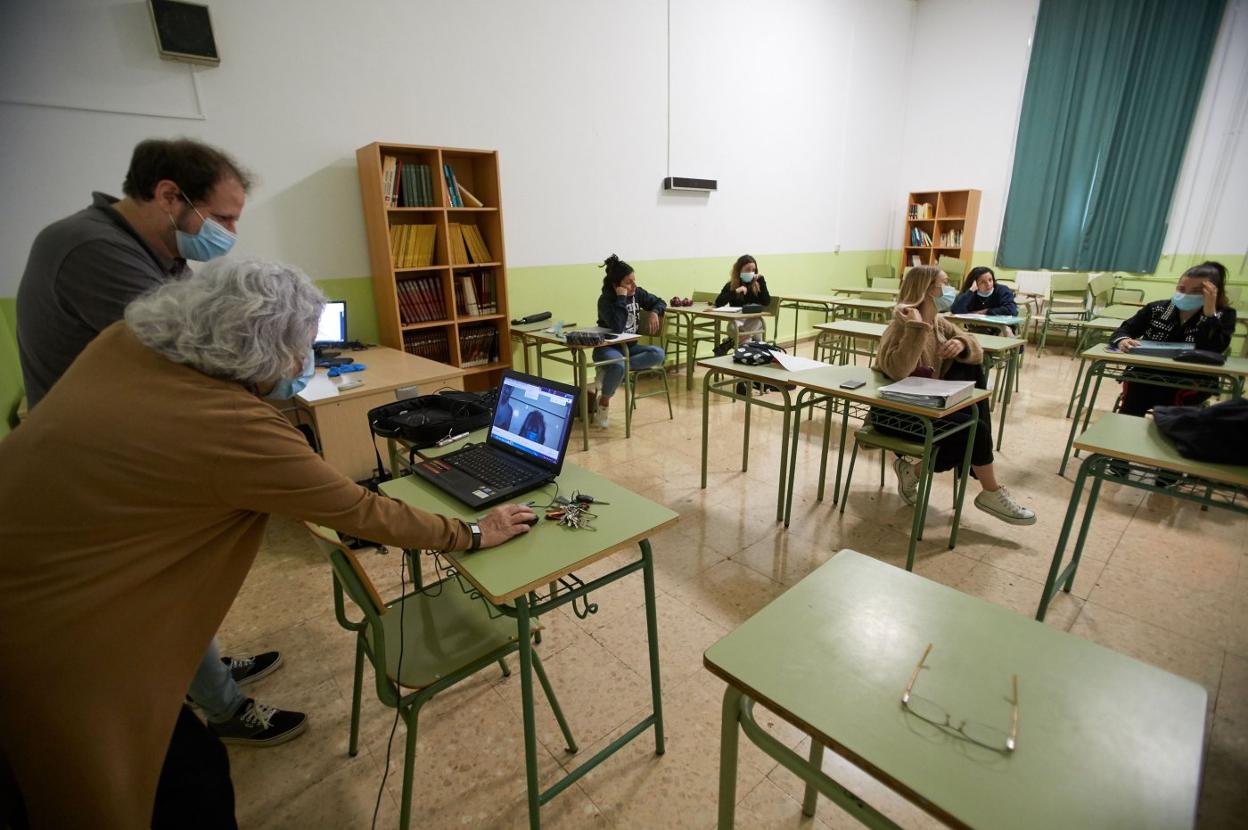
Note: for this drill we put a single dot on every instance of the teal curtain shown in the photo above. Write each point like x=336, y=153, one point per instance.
x=1111, y=94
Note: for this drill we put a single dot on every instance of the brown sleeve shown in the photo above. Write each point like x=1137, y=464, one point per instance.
x=265, y=465
x=973, y=353
x=901, y=346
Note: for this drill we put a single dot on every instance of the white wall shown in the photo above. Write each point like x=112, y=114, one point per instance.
x=794, y=105
x=967, y=73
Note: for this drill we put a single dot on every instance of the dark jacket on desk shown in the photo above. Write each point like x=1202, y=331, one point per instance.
x=1159, y=321
x=1000, y=304
x=728, y=297
x=620, y=313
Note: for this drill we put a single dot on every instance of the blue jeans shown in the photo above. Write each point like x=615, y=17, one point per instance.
x=639, y=357
x=213, y=688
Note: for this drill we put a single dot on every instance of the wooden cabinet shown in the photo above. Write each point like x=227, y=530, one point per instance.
x=438, y=259
x=939, y=223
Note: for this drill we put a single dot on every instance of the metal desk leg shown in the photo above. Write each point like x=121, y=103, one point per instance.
x=580, y=374
x=781, y=501
x=745, y=432
x=1011, y=370
x=823, y=456
x=526, y=705
x=922, y=496
x=840, y=453
x=689, y=353
x=706, y=406
x=965, y=479
x=1074, y=424
x=811, y=796
x=797, y=312
x=1071, y=511
x=652, y=638
x=795, y=423
x=630, y=390
x=729, y=739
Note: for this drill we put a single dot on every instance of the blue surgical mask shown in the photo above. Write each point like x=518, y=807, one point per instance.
x=984, y=294
x=212, y=241
x=947, y=295
x=747, y=277
x=287, y=388
x=1187, y=302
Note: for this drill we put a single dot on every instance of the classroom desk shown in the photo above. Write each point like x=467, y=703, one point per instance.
x=521, y=334
x=1001, y=353
x=340, y=418
x=686, y=318
x=863, y=289
x=1147, y=453
x=803, y=302
x=1103, y=739
x=1091, y=332
x=510, y=576
x=1004, y=324
x=820, y=387
x=1154, y=371
x=554, y=346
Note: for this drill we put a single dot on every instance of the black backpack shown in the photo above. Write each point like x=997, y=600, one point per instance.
x=1217, y=433
x=755, y=353
x=423, y=421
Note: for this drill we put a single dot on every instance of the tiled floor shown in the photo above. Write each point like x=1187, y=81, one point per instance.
x=1161, y=582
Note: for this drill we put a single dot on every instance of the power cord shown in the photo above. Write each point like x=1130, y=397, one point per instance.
x=398, y=689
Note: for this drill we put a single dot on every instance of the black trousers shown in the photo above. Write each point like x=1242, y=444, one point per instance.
x=1138, y=398
x=949, y=451
x=195, y=790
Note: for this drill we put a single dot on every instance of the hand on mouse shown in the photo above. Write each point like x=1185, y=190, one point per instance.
x=505, y=522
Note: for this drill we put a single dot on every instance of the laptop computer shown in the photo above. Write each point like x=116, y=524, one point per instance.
x=527, y=441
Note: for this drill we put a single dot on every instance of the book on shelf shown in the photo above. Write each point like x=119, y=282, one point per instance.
x=433, y=345
x=472, y=201
x=468, y=293
x=459, y=249
x=939, y=394
x=411, y=246
x=920, y=210
x=452, y=190
x=477, y=248
x=478, y=345
x=405, y=183
x=389, y=167
x=916, y=260
x=475, y=295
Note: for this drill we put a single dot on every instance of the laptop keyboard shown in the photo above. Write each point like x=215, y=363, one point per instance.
x=489, y=467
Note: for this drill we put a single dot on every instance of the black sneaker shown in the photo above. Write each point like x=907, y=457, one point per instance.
x=743, y=389
x=723, y=348
x=246, y=669
x=255, y=724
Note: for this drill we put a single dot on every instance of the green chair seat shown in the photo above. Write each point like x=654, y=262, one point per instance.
x=870, y=436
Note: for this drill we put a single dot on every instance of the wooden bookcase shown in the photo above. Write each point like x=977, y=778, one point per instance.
x=948, y=218
x=425, y=308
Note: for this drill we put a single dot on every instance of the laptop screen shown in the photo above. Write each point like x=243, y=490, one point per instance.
x=533, y=417
x=332, y=327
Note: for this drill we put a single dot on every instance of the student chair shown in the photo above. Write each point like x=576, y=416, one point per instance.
x=660, y=370
x=880, y=272
x=1068, y=300
x=954, y=268
x=673, y=339
x=419, y=645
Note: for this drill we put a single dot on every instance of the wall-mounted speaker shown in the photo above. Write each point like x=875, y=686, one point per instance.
x=682, y=183
x=184, y=32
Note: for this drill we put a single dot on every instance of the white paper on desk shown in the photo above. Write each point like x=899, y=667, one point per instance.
x=727, y=309
x=793, y=363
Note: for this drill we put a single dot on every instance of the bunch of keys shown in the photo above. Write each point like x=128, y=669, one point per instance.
x=574, y=515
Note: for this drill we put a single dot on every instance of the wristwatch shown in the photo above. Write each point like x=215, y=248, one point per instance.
x=475, y=530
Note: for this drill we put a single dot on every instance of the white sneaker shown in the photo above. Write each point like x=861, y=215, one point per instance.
x=907, y=480
x=1000, y=504
x=601, y=421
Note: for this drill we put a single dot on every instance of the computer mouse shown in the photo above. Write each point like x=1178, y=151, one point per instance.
x=532, y=521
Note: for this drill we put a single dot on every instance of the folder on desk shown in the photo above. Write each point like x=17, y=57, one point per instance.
x=939, y=394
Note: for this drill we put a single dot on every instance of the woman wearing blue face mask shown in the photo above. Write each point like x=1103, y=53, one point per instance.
x=176, y=463
x=981, y=294
x=745, y=286
x=947, y=294
x=1197, y=313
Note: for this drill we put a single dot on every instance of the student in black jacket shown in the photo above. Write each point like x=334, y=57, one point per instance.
x=624, y=307
x=982, y=294
x=745, y=286
x=1197, y=313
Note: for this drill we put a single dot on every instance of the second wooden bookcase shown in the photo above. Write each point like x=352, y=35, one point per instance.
x=438, y=261
x=939, y=223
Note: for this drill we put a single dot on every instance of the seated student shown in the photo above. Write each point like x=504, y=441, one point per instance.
x=917, y=342
x=178, y=458
x=947, y=294
x=982, y=294
x=1198, y=313
x=620, y=309
x=745, y=286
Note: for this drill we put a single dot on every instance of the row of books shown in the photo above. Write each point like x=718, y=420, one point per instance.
x=406, y=183
x=420, y=300
x=920, y=238
x=467, y=245
x=411, y=246
x=433, y=345
x=478, y=345
x=951, y=238
x=922, y=210
x=476, y=294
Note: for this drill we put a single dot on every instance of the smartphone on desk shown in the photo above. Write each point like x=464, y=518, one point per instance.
x=853, y=384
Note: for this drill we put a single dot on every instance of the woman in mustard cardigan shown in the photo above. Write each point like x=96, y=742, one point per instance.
x=918, y=342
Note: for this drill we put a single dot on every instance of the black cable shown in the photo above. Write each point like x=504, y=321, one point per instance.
x=398, y=689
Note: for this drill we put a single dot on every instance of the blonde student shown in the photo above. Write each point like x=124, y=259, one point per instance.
x=745, y=286
x=917, y=342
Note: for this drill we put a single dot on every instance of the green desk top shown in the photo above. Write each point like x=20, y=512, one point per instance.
x=548, y=550
x=1120, y=311
x=828, y=380
x=1104, y=741
x=874, y=331
x=1139, y=439
x=819, y=299
x=859, y=302
x=1234, y=366
x=997, y=320
x=701, y=309
x=561, y=340
x=1097, y=323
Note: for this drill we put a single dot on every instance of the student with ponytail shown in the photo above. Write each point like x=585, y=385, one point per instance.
x=624, y=308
